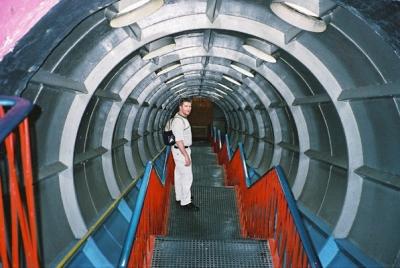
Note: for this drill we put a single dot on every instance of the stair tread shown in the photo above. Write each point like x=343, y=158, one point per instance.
x=217, y=218
x=170, y=252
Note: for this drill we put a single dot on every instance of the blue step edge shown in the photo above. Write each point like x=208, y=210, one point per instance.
x=333, y=252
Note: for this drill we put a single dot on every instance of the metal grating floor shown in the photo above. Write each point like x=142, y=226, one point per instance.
x=208, y=176
x=206, y=170
x=210, y=253
x=217, y=218
x=211, y=236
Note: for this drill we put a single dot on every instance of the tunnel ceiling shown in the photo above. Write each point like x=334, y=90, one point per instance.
x=305, y=92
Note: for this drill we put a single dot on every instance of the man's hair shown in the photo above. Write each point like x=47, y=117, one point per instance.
x=181, y=101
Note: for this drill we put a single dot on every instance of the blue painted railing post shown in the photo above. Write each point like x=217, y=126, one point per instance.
x=243, y=157
x=219, y=140
x=228, y=147
x=130, y=237
x=164, y=172
x=313, y=259
x=19, y=110
x=215, y=134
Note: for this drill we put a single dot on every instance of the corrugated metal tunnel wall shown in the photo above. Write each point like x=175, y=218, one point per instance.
x=327, y=110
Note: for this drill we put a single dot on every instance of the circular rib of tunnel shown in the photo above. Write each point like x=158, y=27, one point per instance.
x=324, y=109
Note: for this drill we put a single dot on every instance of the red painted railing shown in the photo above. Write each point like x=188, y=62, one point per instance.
x=17, y=210
x=265, y=214
x=153, y=219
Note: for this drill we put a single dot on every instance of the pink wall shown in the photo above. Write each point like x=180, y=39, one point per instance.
x=17, y=17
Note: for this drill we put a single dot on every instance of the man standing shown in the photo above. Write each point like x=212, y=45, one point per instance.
x=181, y=152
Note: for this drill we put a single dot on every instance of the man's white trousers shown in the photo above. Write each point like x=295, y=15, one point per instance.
x=183, y=177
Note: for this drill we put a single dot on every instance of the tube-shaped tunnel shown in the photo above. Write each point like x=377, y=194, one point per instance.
x=316, y=94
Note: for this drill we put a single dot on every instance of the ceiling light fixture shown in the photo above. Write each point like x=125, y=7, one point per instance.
x=231, y=80
x=126, y=12
x=259, y=53
x=220, y=91
x=168, y=68
x=301, y=9
x=226, y=87
x=213, y=94
x=302, y=14
x=174, y=79
x=242, y=70
x=180, y=90
x=159, y=51
x=178, y=85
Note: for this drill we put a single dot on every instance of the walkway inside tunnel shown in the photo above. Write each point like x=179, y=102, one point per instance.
x=210, y=237
x=310, y=86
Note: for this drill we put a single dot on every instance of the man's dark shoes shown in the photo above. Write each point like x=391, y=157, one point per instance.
x=178, y=202
x=191, y=207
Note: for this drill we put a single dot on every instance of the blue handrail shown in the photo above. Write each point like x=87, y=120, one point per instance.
x=19, y=111
x=313, y=258
x=130, y=237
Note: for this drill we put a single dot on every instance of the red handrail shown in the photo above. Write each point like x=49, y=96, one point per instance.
x=21, y=222
x=265, y=214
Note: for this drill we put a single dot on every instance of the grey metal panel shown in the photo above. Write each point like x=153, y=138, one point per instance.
x=335, y=192
x=159, y=141
x=379, y=131
x=342, y=63
x=70, y=130
x=122, y=175
x=91, y=190
x=152, y=140
x=149, y=119
x=96, y=130
x=52, y=107
x=379, y=53
x=289, y=163
x=119, y=134
x=336, y=68
x=265, y=152
x=284, y=84
x=287, y=131
x=150, y=145
x=51, y=220
x=319, y=60
x=157, y=119
x=144, y=150
x=319, y=135
x=139, y=126
x=151, y=128
x=307, y=83
x=337, y=137
x=130, y=151
x=315, y=186
x=252, y=150
x=242, y=122
x=379, y=209
x=91, y=126
x=249, y=118
x=89, y=49
x=137, y=159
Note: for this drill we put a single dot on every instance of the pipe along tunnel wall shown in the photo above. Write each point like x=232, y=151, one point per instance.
x=326, y=110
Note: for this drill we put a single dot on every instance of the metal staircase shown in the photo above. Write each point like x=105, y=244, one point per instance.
x=210, y=237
